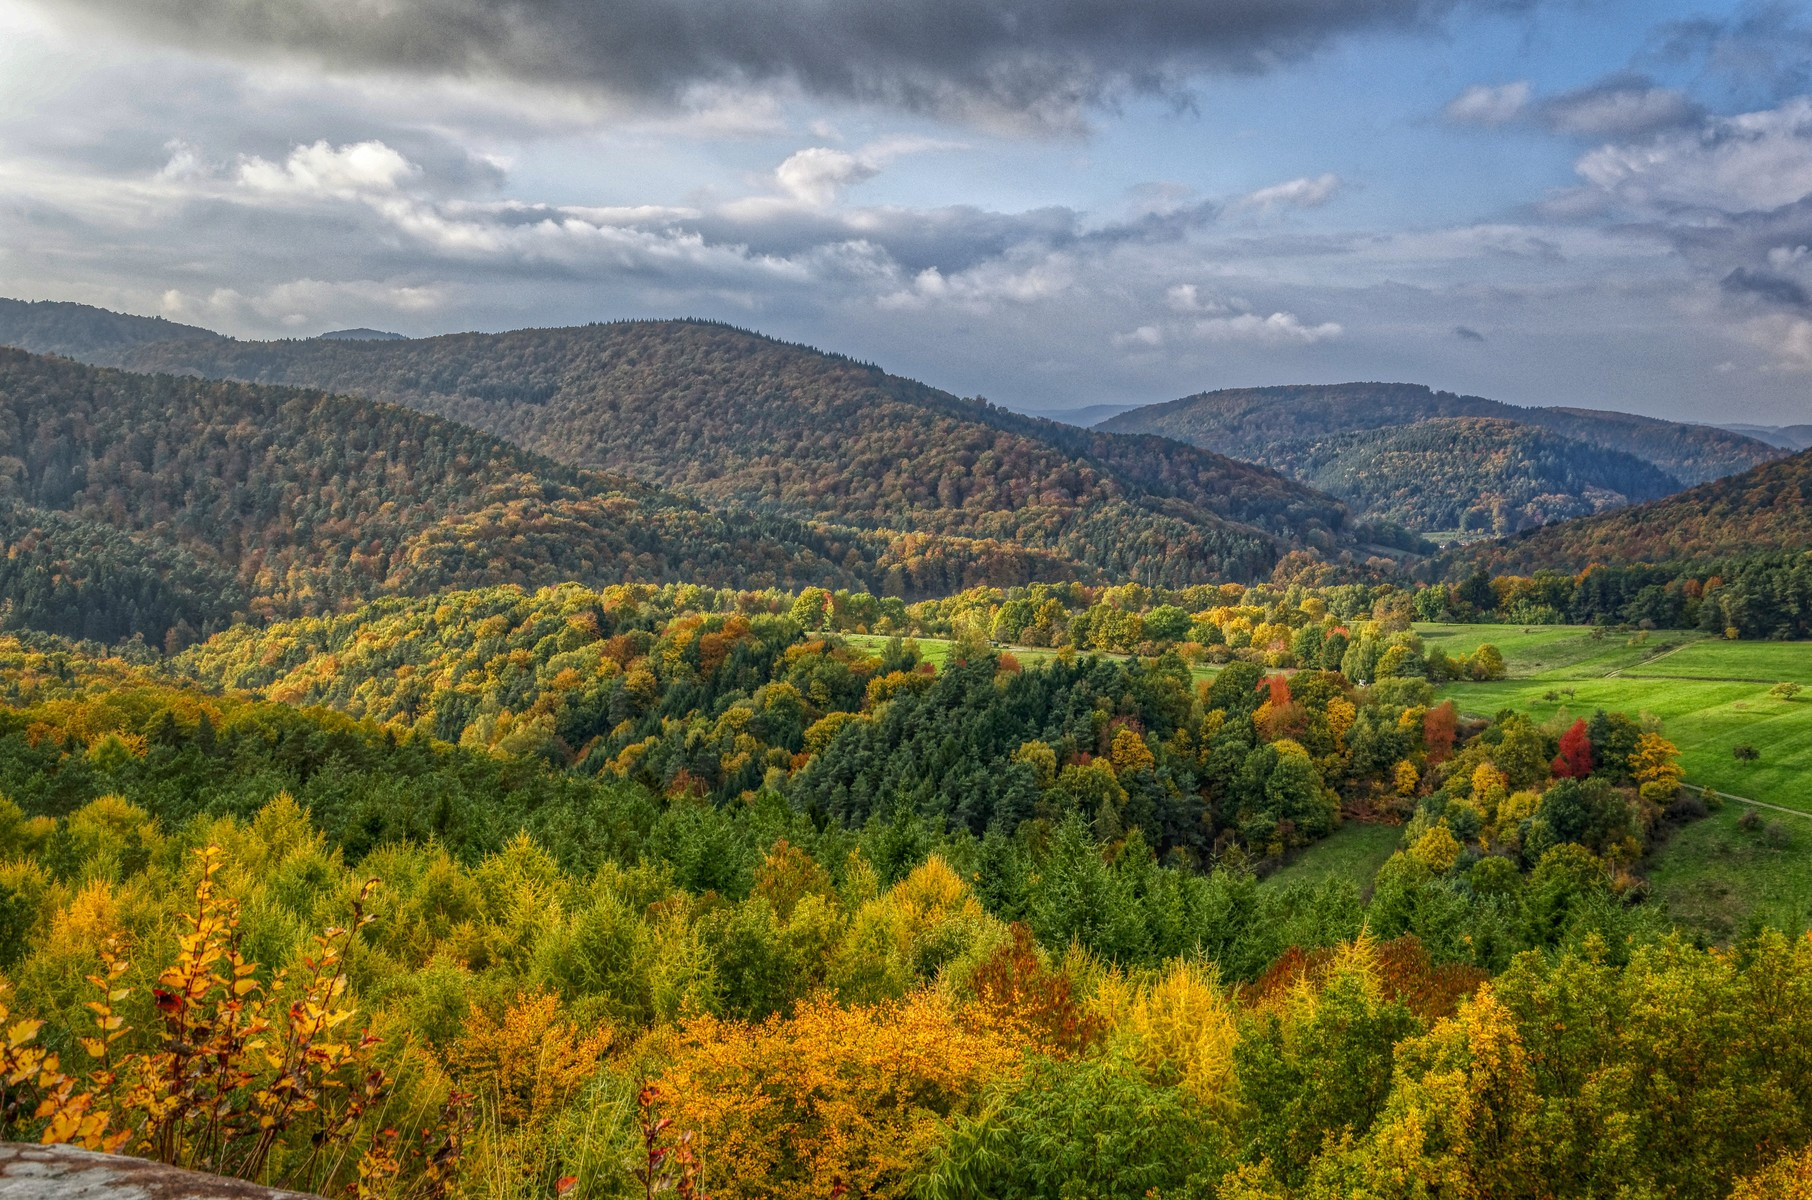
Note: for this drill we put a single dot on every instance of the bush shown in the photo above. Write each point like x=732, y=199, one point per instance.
x=1745, y=753
x=1687, y=806
x=1784, y=691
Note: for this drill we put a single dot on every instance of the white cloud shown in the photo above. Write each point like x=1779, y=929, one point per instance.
x=1306, y=192
x=1144, y=337
x=1755, y=162
x=1485, y=104
x=319, y=169
x=820, y=175
x=1785, y=337
x=1280, y=328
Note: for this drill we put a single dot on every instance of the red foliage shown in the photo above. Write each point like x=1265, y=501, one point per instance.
x=1575, y=758
x=1280, y=689
x=1438, y=729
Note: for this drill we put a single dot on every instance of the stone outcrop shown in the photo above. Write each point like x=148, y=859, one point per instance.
x=66, y=1173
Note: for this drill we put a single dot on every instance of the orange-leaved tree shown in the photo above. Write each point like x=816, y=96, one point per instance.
x=832, y=1100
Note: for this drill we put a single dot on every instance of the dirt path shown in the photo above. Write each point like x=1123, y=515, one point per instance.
x=1705, y=791
x=1645, y=662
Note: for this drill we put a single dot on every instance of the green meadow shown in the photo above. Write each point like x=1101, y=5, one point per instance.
x=1710, y=695
x=1355, y=851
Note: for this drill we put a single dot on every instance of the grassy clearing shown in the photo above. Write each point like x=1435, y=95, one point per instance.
x=1562, y=651
x=1716, y=877
x=1711, y=696
x=1354, y=851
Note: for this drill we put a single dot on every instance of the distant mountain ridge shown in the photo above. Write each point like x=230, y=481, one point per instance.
x=1758, y=511
x=1476, y=475
x=736, y=418
x=1787, y=437
x=164, y=506
x=1307, y=432
x=86, y=333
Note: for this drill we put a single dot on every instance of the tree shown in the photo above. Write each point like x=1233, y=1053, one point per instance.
x=1655, y=763
x=1439, y=726
x=1575, y=758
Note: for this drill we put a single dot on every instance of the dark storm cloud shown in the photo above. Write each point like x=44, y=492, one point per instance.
x=1776, y=290
x=1042, y=61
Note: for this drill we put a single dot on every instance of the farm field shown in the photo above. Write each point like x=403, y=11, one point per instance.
x=1711, y=696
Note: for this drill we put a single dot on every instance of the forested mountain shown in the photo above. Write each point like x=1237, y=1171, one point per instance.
x=1787, y=437
x=1765, y=509
x=220, y=497
x=1302, y=431
x=79, y=331
x=734, y=417
x=1473, y=474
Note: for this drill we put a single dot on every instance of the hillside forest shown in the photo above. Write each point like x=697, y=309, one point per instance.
x=652, y=760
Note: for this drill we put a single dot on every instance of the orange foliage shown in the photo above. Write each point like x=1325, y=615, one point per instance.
x=1405, y=974
x=529, y=1062
x=832, y=1100
x=1017, y=995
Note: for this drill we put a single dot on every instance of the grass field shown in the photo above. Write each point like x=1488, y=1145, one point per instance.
x=1715, y=876
x=1354, y=851
x=1710, y=695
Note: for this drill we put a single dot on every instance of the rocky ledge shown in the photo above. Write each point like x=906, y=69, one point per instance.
x=66, y=1173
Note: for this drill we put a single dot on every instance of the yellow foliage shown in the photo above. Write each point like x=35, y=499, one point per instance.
x=1341, y=715
x=1407, y=778
x=1179, y=1028
x=529, y=1063
x=1130, y=753
x=1786, y=1178
x=833, y=1100
x=1657, y=761
x=1461, y=1121
x=1437, y=849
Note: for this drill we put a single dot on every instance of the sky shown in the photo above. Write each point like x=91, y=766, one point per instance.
x=1050, y=203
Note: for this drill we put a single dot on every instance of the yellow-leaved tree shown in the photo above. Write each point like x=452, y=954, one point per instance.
x=832, y=1100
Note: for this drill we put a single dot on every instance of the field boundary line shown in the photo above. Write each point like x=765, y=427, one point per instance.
x=1705, y=791
x=1645, y=662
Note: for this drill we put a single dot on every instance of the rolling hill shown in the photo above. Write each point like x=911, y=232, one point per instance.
x=1765, y=509
x=1305, y=431
x=150, y=504
x=1476, y=474
x=80, y=331
x=735, y=418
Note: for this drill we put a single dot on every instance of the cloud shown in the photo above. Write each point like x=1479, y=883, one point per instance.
x=1752, y=162
x=1036, y=62
x=322, y=170
x=1620, y=107
x=1764, y=49
x=1277, y=329
x=1485, y=104
x=1305, y=192
x=819, y=175
x=1768, y=287
x=1466, y=334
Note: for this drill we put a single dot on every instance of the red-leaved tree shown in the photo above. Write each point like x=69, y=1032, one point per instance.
x=1575, y=758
